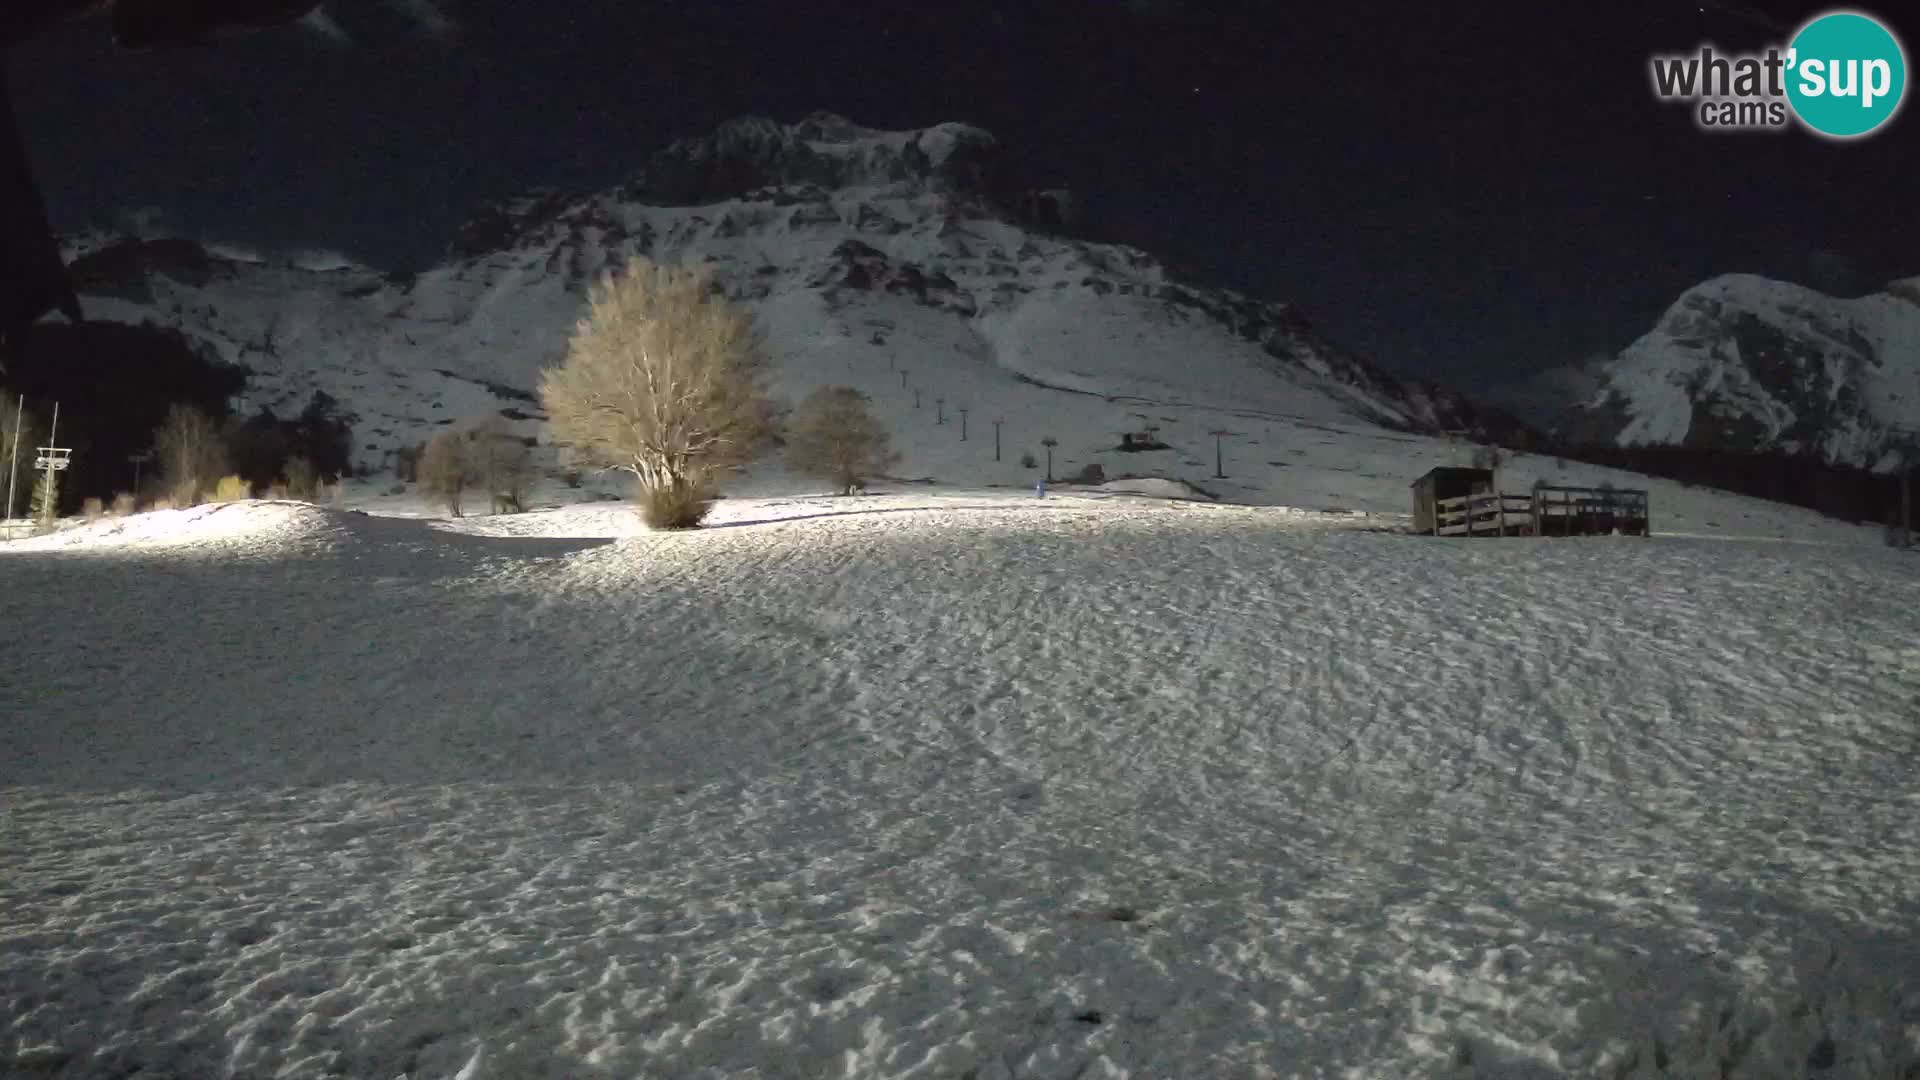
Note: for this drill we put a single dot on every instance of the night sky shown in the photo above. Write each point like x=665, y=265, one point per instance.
x=1463, y=192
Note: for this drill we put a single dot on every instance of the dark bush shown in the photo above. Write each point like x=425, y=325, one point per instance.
x=263, y=444
x=1840, y=491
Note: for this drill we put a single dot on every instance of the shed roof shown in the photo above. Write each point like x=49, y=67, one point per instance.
x=1454, y=472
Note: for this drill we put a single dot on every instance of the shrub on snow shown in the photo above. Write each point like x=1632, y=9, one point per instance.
x=832, y=435
x=232, y=488
x=444, y=469
x=664, y=378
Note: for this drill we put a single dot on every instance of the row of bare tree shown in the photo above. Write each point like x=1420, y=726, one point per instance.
x=195, y=458
x=485, y=456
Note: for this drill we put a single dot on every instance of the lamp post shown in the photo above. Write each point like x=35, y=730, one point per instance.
x=1219, y=462
x=963, y=425
x=996, y=439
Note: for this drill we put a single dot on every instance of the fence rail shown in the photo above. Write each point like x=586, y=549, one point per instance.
x=1485, y=514
x=1544, y=511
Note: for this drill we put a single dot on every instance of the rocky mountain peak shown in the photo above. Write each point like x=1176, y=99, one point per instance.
x=1747, y=364
x=754, y=153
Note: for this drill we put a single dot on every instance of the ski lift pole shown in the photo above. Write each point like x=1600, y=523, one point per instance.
x=49, y=511
x=13, y=458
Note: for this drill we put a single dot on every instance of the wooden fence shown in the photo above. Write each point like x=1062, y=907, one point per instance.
x=1485, y=514
x=1545, y=511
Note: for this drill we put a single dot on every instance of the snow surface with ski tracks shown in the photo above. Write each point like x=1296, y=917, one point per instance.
x=963, y=786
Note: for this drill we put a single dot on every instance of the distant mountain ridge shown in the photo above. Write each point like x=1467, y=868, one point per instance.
x=863, y=252
x=1749, y=364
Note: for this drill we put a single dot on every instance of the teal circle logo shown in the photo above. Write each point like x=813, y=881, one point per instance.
x=1847, y=75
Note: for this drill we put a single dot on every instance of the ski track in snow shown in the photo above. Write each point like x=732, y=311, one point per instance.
x=978, y=787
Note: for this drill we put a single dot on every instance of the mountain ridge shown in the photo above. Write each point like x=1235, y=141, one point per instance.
x=916, y=258
x=1752, y=364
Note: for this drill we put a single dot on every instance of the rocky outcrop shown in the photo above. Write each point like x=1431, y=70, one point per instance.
x=858, y=267
x=497, y=225
x=752, y=154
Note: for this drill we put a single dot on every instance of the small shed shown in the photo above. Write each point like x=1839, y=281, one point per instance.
x=1445, y=483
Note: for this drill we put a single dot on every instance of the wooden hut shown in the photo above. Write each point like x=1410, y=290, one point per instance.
x=1445, y=483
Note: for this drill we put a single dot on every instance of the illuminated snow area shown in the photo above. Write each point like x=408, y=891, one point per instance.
x=951, y=786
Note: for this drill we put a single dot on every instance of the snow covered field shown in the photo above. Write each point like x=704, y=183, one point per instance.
x=966, y=786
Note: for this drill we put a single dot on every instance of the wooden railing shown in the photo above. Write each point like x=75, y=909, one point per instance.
x=1576, y=511
x=1484, y=514
x=1545, y=511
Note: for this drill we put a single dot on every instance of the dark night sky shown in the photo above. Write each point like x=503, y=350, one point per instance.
x=1466, y=192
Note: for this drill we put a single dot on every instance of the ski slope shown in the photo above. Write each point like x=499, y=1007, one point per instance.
x=961, y=784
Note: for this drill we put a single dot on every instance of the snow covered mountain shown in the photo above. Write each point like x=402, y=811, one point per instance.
x=1745, y=363
x=896, y=262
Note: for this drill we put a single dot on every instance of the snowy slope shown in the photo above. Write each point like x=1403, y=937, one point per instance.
x=1746, y=363
x=938, y=787
x=864, y=253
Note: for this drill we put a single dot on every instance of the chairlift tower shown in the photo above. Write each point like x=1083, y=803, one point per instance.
x=53, y=459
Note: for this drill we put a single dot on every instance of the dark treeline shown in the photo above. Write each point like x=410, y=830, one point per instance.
x=260, y=446
x=115, y=383
x=1840, y=491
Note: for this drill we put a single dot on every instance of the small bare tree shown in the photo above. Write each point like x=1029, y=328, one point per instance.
x=832, y=435
x=299, y=478
x=665, y=379
x=445, y=470
x=406, y=463
x=193, y=455
x=46, y=497
x=500, y=464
